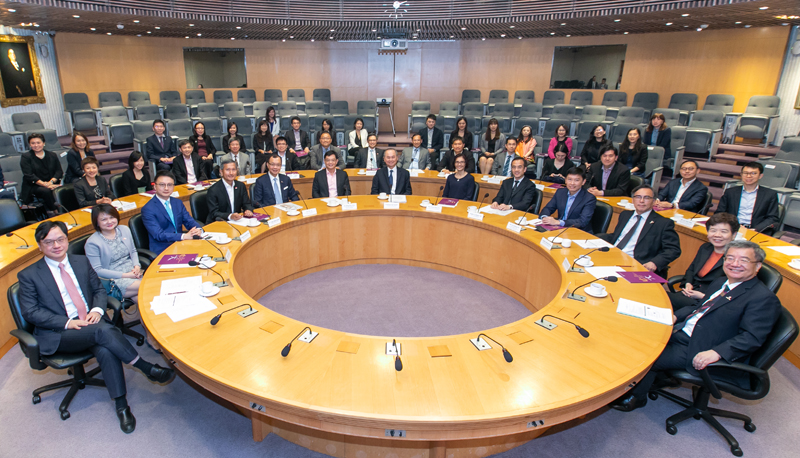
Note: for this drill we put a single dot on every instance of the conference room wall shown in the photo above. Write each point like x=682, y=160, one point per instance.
x=741, y=62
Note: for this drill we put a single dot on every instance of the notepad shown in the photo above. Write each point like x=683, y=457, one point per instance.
x=644, y=311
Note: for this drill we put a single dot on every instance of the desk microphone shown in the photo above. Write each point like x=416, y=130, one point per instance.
x=519, y=221
x=441, y=188
x=219, y=218
x=398, y=364
x=760, y=232
x=70, y=215
x=573, y=296
x=246, y=313
x=578, y=269
x=265, y=212
x=221, y=284
x=557, y=246
x=288, y=347
x=506, y=353
x=222, y=259
x=21, y=247
x=481, y=203
x=301, y=198
x=542, y=322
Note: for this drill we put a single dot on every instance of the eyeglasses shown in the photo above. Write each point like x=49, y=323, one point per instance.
x=749, y=174
x=644, y=198
x=50, y=242
x=742, y=261
x=688, y=169
x=165, y=185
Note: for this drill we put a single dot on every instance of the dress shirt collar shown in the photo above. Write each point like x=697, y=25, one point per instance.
x=744, y=191
x=644, y=215
x=689, y=183
x=53, y=264
x=163, y=202
x=228, y=187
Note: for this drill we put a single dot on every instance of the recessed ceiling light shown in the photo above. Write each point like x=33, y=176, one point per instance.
x=186, y=37
x=12, y=11
x=685, y=15
x=502, y=35
x=417, y=30
x=285, y=28
x=624, y=33
x=36, y=25
x=519, y=38
x=312, y=39
x=452, y=36
x=284, y=40
x=75, y=16
x=191, y=25
x=109, y=33
x=291, y=36
x=332, y=30
x=331, y=38
x=199, y=34
x=463, y=28
x=685, y=26
x=483, y=39
x=747, y=27
x=379, y=37
x=135, y=21
x=238, y=27
x=157, y=28
x=233, y=38
x=138, y=34
x=149, y=31
x=764, y=8
x=617, y=20
x=569, y=36
x=552, y=33
x=669, y=23
x=511, y=27
x=374, y=30
x=699, y=29
x=738, y=22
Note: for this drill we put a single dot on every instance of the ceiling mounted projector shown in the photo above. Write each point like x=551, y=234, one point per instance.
x=394, y=44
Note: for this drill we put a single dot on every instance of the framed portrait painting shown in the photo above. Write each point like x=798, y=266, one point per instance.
x=20, y=80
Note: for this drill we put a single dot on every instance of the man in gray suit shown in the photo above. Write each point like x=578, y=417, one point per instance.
x=502, y=162
x=242, y=159
x=317, y=152
x=415, y=157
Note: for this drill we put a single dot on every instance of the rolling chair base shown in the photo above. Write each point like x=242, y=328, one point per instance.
x=126, y=327
x=79, y=381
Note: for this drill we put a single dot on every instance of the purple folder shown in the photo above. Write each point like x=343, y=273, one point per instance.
x=548, y=227
x=555, y=185
x=448, y=201
x=641, y=277
x=260, y=216
x=174, y=259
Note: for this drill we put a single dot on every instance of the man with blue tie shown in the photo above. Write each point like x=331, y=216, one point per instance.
x=165, y=217
x=502, y=162
x=160, y=148
x=574, y=204
x=273, y=188
x=391, y=179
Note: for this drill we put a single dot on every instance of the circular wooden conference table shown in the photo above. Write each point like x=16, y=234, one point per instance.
x=341, y=393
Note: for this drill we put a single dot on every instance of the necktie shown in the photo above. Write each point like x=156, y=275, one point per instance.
x=169, y=212
x=161, y=140
x=507, y=164
x=276, y=189
x=72, y=291
x=391, y=181
x=624, y=242
x=709, y=304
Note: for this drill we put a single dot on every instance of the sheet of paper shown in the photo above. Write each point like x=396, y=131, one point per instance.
x=214, y=236
x=787, y=250
x=288, y=206
x=644, y=311
x=246, y=222
x=181, y=285
x=492, y=211
x=592, y=244
x=189, y=305
x=604, y=271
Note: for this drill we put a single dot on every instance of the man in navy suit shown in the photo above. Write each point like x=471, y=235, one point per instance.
x=273, y=188
x=160, y=148
x=574, y=204
x=517, y=192
x=433, y=139
x=165, y=217
x=391, y=179
x=227, y=198
x=731, y=322
x=755, y=206
x=64, y=299
x=686, y=192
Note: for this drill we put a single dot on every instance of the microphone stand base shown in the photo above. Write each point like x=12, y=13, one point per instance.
x=577, y=270
x=247, y=312
x=546, y=324
x=23, y=247
x=576, y=297
x=221, y=284
x=219, y=259
x=555, y=247
x=237, y=239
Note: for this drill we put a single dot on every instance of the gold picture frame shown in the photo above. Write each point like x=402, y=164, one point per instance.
x=20, y=78
x=797, y=100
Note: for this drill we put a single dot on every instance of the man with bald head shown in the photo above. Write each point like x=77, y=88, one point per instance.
x=391, y=179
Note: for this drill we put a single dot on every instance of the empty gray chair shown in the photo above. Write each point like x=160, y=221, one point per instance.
x=592, y=114
x=684, y=102
x=195, y=97
x=147, y=112
x=470, y=96
x=12, y=171
x=298, y=96
x=581, y=98
x=503, y=112
x=180, y=128
x=646, y=100
x=260, y=110
x=788, y=154
x=719, y=102
x=551, y=99
x=110, y=99
x=248, y=98
x=169, y=98
x=245, y=129
x=339, y=109
x=233, y=109
x=473, y=111
x=324, y=96
x=315, y=110
x=654, y=166
x=563, y=112
x=136, y=98
x=28, y=122
x=116, y=126
x=614, y=101
x=703, y=133
x=446, y=119
x=206, y=110
x=273, y=95
x=141, y=130
x=367, y=110
x=7, y=147
x=419, y=113
x=758, y=120
x=79, y=113
x=496, y=96
x=176, y=111
x=221, y=97
x=287, y=110
x=523, y=97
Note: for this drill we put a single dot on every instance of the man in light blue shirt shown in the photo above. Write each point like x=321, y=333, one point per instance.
x=575, y=206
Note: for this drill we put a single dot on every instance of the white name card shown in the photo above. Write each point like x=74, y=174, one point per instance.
x=391, y=206
x=245, y=236
x=127, y=206
x=496, y=180
x=414, y=172
x=540, y=187
x=228, y=255
x=434, y=208
x=685, y=223
x=274, y=222
x=350, y=206
x=250, y=180
x=174, y=194
x=566, y=265
x=310, y=212
x=475, y=215
x=514, y=227
x=371, y=173
x=546, y=244
x=241, y=178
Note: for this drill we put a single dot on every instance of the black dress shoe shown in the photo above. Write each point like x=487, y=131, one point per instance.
x=628, y=403
x=127, y=422
x=160, y=374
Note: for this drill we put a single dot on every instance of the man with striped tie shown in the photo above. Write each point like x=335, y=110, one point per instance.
x=731, y=322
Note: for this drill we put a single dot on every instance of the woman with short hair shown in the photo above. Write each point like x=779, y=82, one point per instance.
x=112, y=254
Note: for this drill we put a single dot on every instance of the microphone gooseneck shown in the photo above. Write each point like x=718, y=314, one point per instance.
x=197, y=237
x=215, y=320
x=67, y=212
x=601, y=249
x=288, y=346
x=219, y=218
x=264, y=211
x=200, y=264
x=506, y=353
x=441, y=188
x=519, y=221
x=398, y=363
x=481, y=203
x=581, y=330
x=611, y=279
x=20, y=237
x=760, y=232
x=304, y=200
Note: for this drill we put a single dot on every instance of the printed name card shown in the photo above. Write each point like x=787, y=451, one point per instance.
x=371, y=173
x=477, y=216
x=546, y=244
x=274, y=222
x=127, y=206
x=250, y=180
x=245, y=236
x=391, y=206
x=685, y=222
x=293, y=176
x=414, y=172
x=350, y=206
x=310, y=212
x=496, y=180
x=514, y=227
x=434, y=208
x=566, y=265
x=228, y=255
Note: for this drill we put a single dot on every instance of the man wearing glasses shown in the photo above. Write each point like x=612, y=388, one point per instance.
x=645, y=235
x=754, y=206
x=731, y=322
x=686, y=192
x=165, y=217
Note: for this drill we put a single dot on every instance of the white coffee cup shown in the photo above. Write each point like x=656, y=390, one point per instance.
x=224, y=239
x=557, y=240
x=584, y=261
x=624, y=201
x=362, y=172
x=207, y=287
x=293, y=213
x=382, y=195
x=472, y=209
x=426, y=202
x=343, y=201
x=597, y=288
x=795, y=263
x=566, y=243
x=205, y=258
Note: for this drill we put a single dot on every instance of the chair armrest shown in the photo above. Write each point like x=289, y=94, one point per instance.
x=114, y=305
x=746, y=368
x=673, y=281
x=29, y=346
x=147, y=254
x=779, y=234
x=709, y=383
x=757, y=116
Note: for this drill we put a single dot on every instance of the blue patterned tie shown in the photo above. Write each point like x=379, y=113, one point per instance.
x=276, y=189
x=169, y=212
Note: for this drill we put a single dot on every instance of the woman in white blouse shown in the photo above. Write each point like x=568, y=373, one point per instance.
x=358, y=137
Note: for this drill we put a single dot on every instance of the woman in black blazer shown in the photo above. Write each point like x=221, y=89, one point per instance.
x=263, y=145
x=555, y=170
x=707, y=264
x=233, y=132
x=658, y=123
x=633, y=153
x=179, y=164
x=461, y=131
x=204, y=147
x=136, y=179
x=79, y=151
x=591, y=149
x=92, y=189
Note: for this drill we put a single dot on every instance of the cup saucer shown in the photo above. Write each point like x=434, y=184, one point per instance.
x=214, y=291
x=588, y=290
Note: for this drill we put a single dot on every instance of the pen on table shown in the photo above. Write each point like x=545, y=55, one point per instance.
x=161, y=271
x=176, y=292
x=611, y=296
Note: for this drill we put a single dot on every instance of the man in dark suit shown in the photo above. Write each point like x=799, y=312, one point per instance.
x=160, y=148
x=574, y=204
x=608, y=177
x=432, y=139
x=330, y=181
x=164, y=216
x=370, y=157
x=754, y=206
x=289, y=161
x=517, y=192
x=686, y=192
x=391, y=179
x=188, y=167
x=731, y=322
x=227, y=198
x=645, y=235
x=274, y=187
x=64, y=299
x=298, y=142
x=447, y=164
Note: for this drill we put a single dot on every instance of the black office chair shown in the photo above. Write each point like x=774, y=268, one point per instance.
x=477, y=192
x=768, y=275
x=140, y=239
x=635, y=182
x=198, y=204
x=59, y=361
x=778, y=341
x=601, y=218
x=116, y=186
x=65, y=196
x=706, y=204
x=11, y=217
x=536, y=204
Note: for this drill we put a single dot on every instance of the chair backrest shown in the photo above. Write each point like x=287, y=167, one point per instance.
x=783, y=334
x=7, y=146
x=420, y=108
x=142, y=130
x=195, y=97
x=340, y=107
x=683, y=101
x=585, y=130
x=620, y=132
x=655, y=157
x=315, y=107
x=116, y=185
x=24, y=122
x=790, y=145
x=615, y=99
x=148, y=112
x=169, y=98
x=243, y=124
x=21, y=322
x=553, y=98
x=246, y=95
x=719, y=102
x=207, y=110
x=77, y=246
x=176, y=111
x=233, y=109
x=635, y=182
x=74, y=101
x=707, y=204
x=65, y=195
x=672, y=116
x=594, y=113
x=296, y=95
x=498, y=96
x=646, y=100
x=198, y=204
x=678, y=137
x=213, y=126
x=12, y=171
x=630, y=115
x=470, y=96
x=581, y=98
x=523, y=97
x=563, y=112
x=503, y=110
x=181, y=128
x=11, y=217
x=136, y=98
x=223, y=96
x=114, y=115
x=273, y=95
x=260, y=109
x=110, y=99
x=601, y=218
x=530, y=110
x=139, y=232
x=777, y=176
x=472, y=110
x=366, y=107
x=763, y=105
x=322, y=95
x=287, y=108
x=448, y=109
x=707, y=119
x=536, y=204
